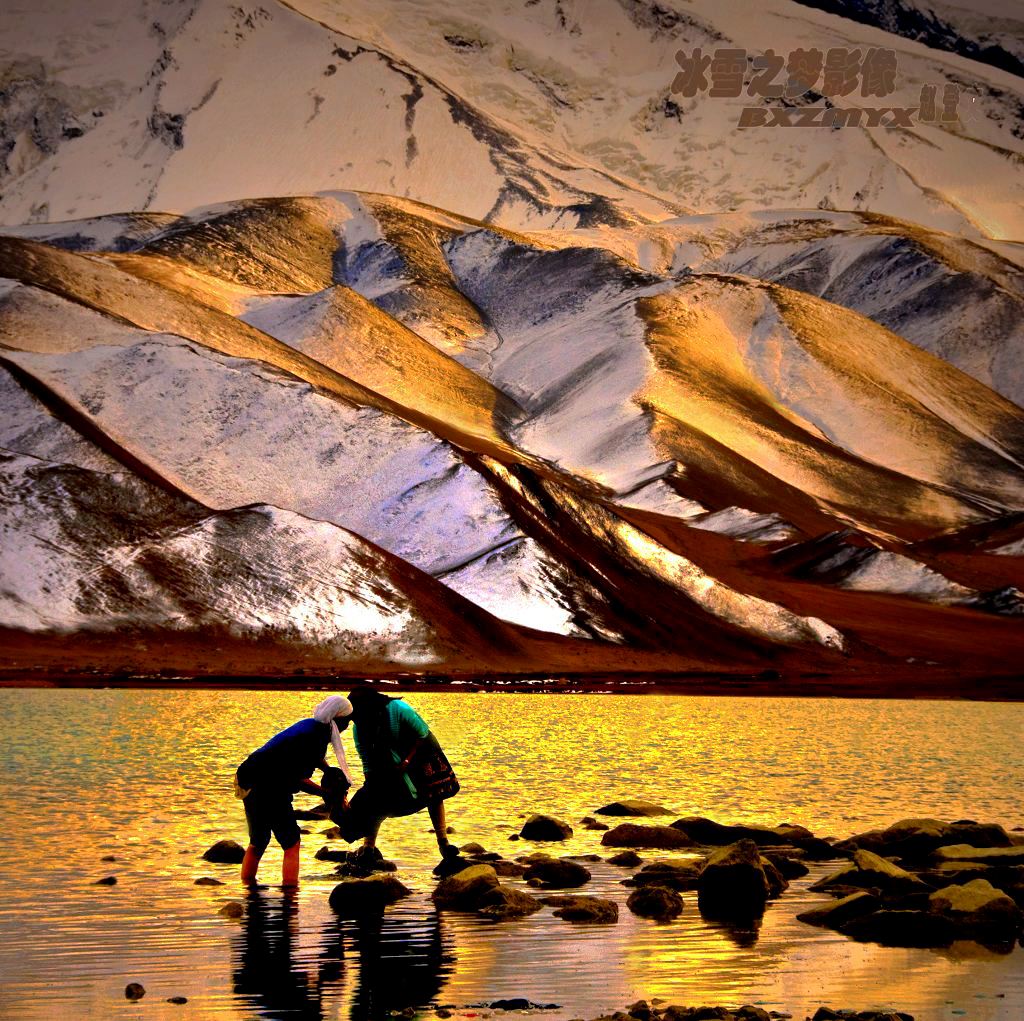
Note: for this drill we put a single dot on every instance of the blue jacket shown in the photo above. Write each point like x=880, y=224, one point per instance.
x=287, y=758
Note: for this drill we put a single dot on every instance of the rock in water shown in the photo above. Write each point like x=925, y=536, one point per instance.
x=557, y=874
x=902, y=929
x=225, y=852
x=355, y=864
x=134, y=991
x=585, y=909
x=625, y=859
x=791, y=868
x=545, y=827
x=874, y=871
x=980, y=911
x=633, y=807
x=354, y=898
x=503, y=902
x=870, y=871
x=777, y=883
x=208, y=881
x=233, y=909
x=656, y=902
x=449, y=866
x=837, y=912
x=507, y=869
x=733, y=883
x=465, y=890
x=632, y=835
x=106, y=881
x=984, y=855
x=674, y=875
x=916, y=838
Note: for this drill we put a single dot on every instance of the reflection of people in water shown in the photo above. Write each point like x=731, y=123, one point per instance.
x=270, y=776
x=266, y=972
x=403, y=962
x=404, y=766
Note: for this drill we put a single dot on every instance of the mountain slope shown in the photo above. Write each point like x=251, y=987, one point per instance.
x=554, y=114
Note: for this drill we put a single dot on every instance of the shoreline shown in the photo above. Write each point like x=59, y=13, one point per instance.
x=964, y=688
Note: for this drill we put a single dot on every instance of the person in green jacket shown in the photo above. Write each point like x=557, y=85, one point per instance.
x=404, y=768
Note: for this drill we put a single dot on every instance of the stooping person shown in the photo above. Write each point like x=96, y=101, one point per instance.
x=269, y=777
x=405, y=771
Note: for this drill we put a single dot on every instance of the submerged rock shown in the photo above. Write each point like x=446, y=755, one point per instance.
x=557, y=873
x=675, y=875
x=588, y=822
x=644, y=1011
x=634, y=835
x=828, y=1014
x=656, y=902
x=715, y=834
x=354, y=898
x=503, y=902
x=208, y=881
x=358, y=863
x=535, y=856
x=225, y=852
x=902, y=929
x=585, y=909
x=837, y=912
x=233, y=909
x=545, y=827
x=633, y=807
x=789, y=867
x=1012, y=855
x=917, y=838
x=625, y=859
x=508, y=869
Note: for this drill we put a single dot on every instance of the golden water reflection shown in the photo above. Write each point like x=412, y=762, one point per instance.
x=146, y=777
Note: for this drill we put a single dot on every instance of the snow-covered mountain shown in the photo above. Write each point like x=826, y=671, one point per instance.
x=523, y=112
x=665, y=409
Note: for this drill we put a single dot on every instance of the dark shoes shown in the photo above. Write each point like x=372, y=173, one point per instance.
x=451, y=861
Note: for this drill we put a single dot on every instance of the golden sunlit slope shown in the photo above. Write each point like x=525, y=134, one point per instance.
x=959, y=298
x=346, y=332
x=95, y=283
x=592, y=441
x=875, y=431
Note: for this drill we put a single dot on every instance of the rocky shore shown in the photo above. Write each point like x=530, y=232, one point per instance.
x=916, y=883
x=923, y=883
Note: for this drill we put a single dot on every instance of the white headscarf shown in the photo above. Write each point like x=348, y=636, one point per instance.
x=328, y=711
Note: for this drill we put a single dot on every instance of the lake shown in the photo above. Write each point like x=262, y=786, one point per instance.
x=145, y=776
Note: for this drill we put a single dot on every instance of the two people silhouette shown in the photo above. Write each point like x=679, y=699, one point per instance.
x=405, y=770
